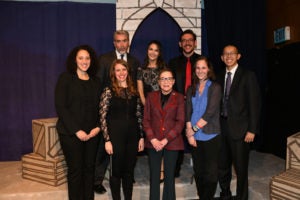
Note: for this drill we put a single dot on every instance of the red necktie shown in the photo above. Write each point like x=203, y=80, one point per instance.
x=188, y=74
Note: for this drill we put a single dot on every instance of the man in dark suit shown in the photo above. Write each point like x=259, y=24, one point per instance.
x=121, y=44
x=240, y=115
x=187, y=43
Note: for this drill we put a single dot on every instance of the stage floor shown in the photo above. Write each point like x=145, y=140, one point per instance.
x=261, y=169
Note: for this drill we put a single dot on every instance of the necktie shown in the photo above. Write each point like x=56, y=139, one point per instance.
x=226, y=95
x=122, y=56
x=188, y=74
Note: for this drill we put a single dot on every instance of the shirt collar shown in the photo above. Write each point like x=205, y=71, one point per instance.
x=119, y=55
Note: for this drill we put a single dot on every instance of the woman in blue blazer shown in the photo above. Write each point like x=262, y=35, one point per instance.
x=203, y=127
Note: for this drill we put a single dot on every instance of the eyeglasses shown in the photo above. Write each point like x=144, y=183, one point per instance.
x=229, y=54
x=187, y=40
x=168, y=79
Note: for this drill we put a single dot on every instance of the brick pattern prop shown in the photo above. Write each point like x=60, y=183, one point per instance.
x=46, y=164
x=286, y=185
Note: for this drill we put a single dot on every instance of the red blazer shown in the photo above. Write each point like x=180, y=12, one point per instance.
x=167, y=122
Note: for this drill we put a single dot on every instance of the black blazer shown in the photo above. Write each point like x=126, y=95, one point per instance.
x=244, y=103
x=70, y=103
x=178, y=65
x=105, y=62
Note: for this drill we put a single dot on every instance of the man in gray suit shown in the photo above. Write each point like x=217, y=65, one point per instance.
x=121, y=44
x=240, y=116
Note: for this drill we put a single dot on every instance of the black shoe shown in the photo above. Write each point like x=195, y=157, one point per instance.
x=226, y=195
x=99, y=189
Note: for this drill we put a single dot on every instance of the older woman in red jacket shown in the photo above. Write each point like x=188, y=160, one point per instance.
x=163, y=123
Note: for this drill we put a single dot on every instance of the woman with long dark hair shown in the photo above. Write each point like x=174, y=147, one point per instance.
x=203, y=127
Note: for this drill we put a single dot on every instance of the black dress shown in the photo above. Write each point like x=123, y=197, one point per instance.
x=120, y=118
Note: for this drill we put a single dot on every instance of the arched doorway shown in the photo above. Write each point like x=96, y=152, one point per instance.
x=158, y=25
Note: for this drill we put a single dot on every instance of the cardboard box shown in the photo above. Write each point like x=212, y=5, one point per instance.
x=45, y=138
x=293, y=152
x=51, y=172
x=286, y=185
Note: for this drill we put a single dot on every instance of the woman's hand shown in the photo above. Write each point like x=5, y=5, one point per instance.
x=143, y=100
x=189, y=132
x=141, y=145
x=164, y=142
x=94, y=132
x=192, y=141
x=81, y=135
x=109, y=148
x=157, y=144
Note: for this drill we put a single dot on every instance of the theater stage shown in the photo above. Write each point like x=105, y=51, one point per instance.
x=262, y=167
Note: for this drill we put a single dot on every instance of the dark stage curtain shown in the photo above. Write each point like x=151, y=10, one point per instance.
x=35, y=38
x=239, y=22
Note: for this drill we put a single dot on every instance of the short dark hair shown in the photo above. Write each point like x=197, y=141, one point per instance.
x=188, y=31
x=166, y=69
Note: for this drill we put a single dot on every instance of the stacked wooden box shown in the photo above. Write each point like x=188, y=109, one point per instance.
x=46, y=164
x=286, y=185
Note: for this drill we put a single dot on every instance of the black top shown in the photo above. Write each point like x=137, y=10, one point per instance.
x=77, y=103
x=149, y=77
x=123, y=108
x=178, y=66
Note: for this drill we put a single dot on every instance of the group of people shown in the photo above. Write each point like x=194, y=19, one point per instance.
x=110, y=108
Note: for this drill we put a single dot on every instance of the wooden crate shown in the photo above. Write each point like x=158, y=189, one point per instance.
x=45, y=138
x=51, y=172
x=293, y=152
x=286, y=185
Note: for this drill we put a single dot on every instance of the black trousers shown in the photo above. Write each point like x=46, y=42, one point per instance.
x=102, y=162
x=124, y=138
x=180, y=157
x=205, y=163
x=80, y=159
x=233, y=152
x=155, y=158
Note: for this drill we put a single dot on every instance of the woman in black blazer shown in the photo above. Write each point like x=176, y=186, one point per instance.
x=77, y=100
